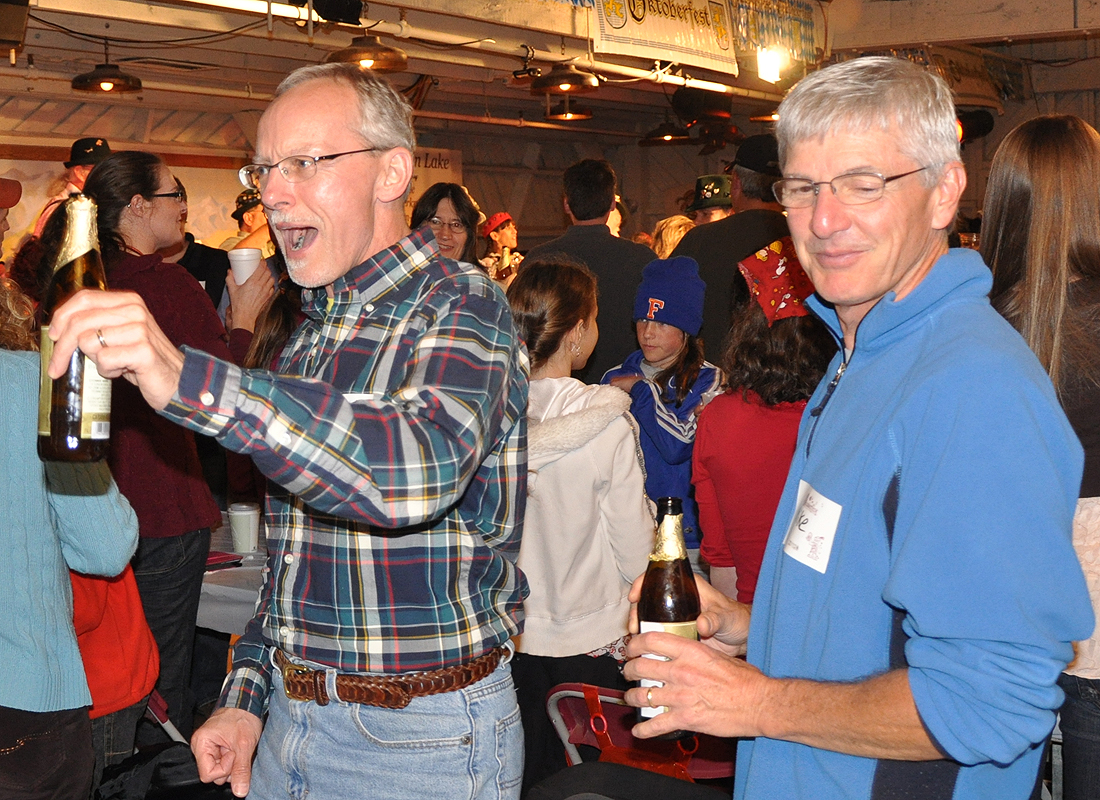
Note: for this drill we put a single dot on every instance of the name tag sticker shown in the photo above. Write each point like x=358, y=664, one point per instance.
x=810, y=537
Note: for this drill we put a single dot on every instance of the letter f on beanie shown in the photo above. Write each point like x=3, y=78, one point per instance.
x=672, y=292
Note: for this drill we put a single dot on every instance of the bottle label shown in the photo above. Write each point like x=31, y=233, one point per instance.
x=95, y=395
x=45, y=382
x=686, y=629
x=95, y=418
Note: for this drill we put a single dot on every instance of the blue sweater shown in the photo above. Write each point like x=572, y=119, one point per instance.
x=945, y=423
x=55, y=517
x=667, y=435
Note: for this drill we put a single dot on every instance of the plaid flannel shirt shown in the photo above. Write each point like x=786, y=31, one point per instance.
x=394, y=437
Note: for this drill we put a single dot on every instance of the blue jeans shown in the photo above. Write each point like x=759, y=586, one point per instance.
x=169, y=577
x=1080, y=737
x=113, y=738
x=463, y=744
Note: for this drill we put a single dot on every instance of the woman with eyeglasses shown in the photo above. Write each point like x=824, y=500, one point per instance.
x=453, y=216
x=154, y=461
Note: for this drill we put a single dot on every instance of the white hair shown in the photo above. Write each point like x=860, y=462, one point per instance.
x=385, y=117
x=875, y=93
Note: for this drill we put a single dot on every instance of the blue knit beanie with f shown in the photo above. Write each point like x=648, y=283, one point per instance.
x=672, y=292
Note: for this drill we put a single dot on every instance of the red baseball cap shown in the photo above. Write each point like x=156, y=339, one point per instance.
x=495, y=221
x=10, y=192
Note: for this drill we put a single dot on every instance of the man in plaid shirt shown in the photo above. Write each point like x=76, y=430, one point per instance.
x=393, y=432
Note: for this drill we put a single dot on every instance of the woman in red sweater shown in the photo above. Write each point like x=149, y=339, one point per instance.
x=774, y=357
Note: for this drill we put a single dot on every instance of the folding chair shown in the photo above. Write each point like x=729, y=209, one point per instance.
x=157, y=711
x=600, y=718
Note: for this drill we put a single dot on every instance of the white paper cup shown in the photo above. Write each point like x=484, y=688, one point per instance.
x=244, y=522
x=244, y=262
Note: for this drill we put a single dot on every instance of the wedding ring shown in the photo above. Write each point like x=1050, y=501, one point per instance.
x=649, y=697
x=99, y=335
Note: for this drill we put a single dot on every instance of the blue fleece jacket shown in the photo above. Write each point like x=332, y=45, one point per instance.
x=667, y=435
x=943, y=422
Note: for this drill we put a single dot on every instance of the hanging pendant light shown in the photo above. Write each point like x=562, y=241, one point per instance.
x=565, y=79
x=565, y=112
x=667, y=132
x=106, y=78
x=369, y=53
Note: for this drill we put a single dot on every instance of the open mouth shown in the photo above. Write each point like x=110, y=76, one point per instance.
x=297, y=239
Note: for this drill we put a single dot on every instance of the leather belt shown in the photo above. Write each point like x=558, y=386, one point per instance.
x=385, y=691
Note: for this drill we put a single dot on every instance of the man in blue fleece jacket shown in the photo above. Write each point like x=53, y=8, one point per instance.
x=919, y=592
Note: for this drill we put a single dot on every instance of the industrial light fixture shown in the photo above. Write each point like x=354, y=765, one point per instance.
x=666, y=133
x=564, y=111
x=369, y=53
x=106, y=77
x=971, y=125
x=565, y=79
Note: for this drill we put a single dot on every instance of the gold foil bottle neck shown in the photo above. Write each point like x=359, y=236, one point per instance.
x=81, y=235
x=669, y=545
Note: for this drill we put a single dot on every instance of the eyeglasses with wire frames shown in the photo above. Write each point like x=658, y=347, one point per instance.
x=456, y=226
x=294, y=169
x=853, y=189
x=176, y=195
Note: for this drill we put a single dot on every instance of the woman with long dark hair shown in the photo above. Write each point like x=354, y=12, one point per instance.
x=774, y=356
x=1041, y=238
x=453, y=216
x=155, y=462
x=588, y=529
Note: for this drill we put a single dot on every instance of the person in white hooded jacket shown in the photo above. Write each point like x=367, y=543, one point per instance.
x=588, y=527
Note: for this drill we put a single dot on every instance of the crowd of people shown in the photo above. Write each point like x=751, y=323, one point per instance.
x=890, y=468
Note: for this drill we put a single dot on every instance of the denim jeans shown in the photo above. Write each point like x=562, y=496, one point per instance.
x=113, y=737
x=169, y=577
x=1080, y=738
x=45, y=755
x=463, y=744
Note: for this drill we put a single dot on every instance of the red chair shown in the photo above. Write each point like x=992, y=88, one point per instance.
x=600, y=718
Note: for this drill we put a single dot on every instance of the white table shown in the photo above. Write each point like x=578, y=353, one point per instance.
x=228, y=599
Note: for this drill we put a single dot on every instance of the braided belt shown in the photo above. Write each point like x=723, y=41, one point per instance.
x=385, y=691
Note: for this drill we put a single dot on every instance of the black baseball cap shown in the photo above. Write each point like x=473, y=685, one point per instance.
x=246, y=201
x=759, y=153
x=88, y=152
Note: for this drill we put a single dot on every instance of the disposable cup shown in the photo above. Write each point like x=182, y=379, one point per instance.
x=244, y=262
x=244, y=522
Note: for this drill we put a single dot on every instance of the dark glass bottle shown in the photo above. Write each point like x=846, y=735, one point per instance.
x=74, y=411
x=670, y=598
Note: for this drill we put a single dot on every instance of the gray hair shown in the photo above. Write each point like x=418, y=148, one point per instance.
x=385, y=117
x=875, y=93
x=755, y=185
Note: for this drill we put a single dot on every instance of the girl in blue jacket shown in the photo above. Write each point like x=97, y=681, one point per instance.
x=669, y=381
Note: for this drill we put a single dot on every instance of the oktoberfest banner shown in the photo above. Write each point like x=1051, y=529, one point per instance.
x=689, y=32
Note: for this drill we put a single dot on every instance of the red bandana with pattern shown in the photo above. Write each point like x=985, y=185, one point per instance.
x=777, y=280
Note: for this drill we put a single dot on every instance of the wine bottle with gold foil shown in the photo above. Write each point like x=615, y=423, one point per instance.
x=74, y=411
x=670, y=598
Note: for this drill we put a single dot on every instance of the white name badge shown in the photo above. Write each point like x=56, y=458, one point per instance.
x=810, y=537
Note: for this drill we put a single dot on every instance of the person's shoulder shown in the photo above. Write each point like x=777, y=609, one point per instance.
x=444, y=283
x=211, y=253
x=552, y=247
x=19, y=362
